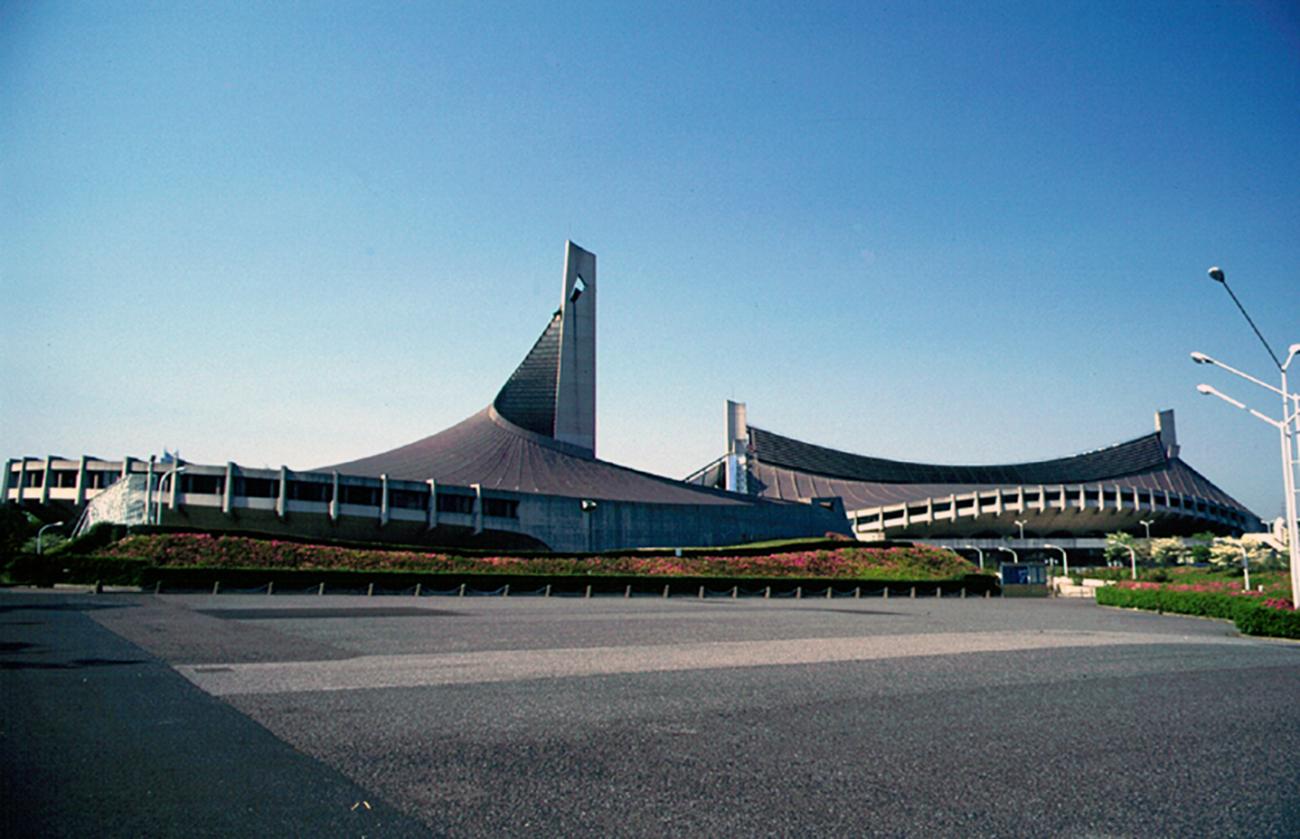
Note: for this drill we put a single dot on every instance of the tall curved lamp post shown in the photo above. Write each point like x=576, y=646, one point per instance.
x=1288, y=427
x=1132, y=558
x=1015, y=557
x=1065, y=558
x=157, y=515
x=979, y=551
x=40, y=534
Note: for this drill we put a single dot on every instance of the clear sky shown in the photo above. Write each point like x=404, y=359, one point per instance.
x=949, y=232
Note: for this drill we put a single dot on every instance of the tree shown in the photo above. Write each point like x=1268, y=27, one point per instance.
x=1226, y=553
x=1169, y=551
x=1117, y=545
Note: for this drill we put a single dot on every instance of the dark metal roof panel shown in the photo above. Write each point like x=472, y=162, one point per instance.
x=528, y=397
x=1141, y=454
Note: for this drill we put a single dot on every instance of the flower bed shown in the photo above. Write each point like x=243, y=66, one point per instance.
x=847, y=563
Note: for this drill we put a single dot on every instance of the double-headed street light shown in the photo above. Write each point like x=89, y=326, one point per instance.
x=1147, y=524
x=1021, y=524
x=1288, y=427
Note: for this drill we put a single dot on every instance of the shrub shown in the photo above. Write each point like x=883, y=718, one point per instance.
x=1268, y=620
x=46, y=570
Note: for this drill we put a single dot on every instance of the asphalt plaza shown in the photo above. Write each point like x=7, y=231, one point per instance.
x=348, y=716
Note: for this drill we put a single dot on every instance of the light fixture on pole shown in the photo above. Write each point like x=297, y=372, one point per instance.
x=1021, y=524
x=157, y=516
x=979, y=551
x=1015, y=557
x=1065, y=558
x=1288, y=427
x=1132, y=557
x=1147, y=524
x=41, y=533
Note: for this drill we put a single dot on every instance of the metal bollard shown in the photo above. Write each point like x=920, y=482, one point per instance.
x=830, y=591
x=99, y=587
x=462, y=590
x=701, y=592
x=216, y=587
x=857, y=592
x=913, y=595
x=627, y=593
x=370, y=590
x=548, y=590
x=417, y=589
x=986, y=594
x=270, y=588
x=157, y=587
x=963, y=592
x=767, y=592
x=735, y=592
x=588, y=590
x=938, y=591
x=320, y=591
x=885, y=593
x=798, y=592
x=506, y=591
x=665, y=592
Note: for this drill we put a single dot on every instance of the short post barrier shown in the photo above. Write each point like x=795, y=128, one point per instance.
x=627, y=593
x=987, y=594
x=461, y=593
x=735, y=592
x=98, y=588
x=885, y=593
x=701, y=592
x=857, y=592
x=767, y=592
x=798, y=592
x=938, y=591
x=216, y=587
x=548, y=590
x=505, y=592
x=370, y=590
x=913, y=594
x=963, y=592
x=417, y=589
x=830, y=592
x=270, y=588
x=588, y=594
x=320, y=590
x=157, y=587
x=665, y=592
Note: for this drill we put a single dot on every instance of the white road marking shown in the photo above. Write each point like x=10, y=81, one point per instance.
x=396, y=671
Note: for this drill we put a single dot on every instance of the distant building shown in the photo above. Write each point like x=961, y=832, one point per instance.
x=521, y=473
x=1079, y=498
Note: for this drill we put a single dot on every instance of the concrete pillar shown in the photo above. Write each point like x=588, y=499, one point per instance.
x=736, y=467
x=228, y=490
x=22, y=478
x=1042, y=498
x=173, y=487
x=46, y=478
x=383, y=500
x=1083, y=498
x=148, y=492
x=81, y=482
x=433, y=503
x=997, y=502
x=334, y=498
x=6, y=481
x=282, y=497
x=1119, y=498
x=126, y=465
x=478, y=507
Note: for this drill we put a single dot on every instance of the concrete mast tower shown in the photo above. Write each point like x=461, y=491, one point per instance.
x=575, y=389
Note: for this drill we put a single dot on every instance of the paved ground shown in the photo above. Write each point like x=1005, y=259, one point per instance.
x=176, y=715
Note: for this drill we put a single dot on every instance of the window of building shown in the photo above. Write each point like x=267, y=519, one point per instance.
x=452, y=503
x=408, y=499
x=203, y=484
x=310, y=491
x=362, y=496
x=257, y=487
x=501, y=508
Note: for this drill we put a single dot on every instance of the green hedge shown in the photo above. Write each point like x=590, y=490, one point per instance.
x=48, y=569
x=1250, y=614
x=1274, y=623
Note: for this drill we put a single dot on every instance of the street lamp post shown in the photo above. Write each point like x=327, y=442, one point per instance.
x=1015, y=557
x=41, y=533
x=1021, y=524
x=1288, y=427
x=157, y=516
x=1133, y=559
x=1065, y=558
x=1147, y=524
x=979, y=551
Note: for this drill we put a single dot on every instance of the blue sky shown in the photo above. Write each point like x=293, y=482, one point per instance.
x=950, y=232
